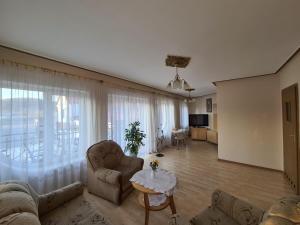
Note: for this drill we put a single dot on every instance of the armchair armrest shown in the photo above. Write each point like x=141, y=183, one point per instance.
x=132, y=162
x=108, y=176
x=54, y=199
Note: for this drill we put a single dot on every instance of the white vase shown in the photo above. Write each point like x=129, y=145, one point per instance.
x=153, y=174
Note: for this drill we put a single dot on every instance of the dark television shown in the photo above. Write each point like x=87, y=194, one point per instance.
x=198, y=120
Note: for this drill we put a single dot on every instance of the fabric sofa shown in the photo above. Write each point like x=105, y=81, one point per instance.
x=285, y=211
x=226, y=209
x=21, y=205
x=109, y=171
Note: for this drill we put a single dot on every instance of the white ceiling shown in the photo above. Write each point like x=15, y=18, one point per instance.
x=130, y=39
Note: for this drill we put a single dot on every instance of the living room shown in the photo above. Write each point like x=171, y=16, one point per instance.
x=168, y=112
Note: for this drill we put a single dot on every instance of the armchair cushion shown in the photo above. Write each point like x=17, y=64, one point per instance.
x=108, y=176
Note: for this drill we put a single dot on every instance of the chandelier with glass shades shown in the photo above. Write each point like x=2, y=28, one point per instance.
x=190, y=99
x=178, y=62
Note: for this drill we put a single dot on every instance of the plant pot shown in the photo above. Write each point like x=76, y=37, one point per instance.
x=131, y=154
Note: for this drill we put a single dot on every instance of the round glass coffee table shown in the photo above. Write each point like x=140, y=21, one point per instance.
x=156, y=193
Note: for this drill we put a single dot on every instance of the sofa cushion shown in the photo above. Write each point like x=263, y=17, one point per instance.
x=212, y=216
x=16, y=185
x=6, y=187
x=16, y=202
x=24, y=218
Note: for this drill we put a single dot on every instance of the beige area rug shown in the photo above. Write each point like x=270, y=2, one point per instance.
x=76, y=212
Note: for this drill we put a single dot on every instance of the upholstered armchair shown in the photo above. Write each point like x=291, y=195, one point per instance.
x=109, y=171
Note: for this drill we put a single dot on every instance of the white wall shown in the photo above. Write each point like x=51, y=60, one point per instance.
x=290, y=74
x=199, y=106
x=249, y=121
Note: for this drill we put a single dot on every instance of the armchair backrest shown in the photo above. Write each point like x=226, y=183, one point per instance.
x=107, y=154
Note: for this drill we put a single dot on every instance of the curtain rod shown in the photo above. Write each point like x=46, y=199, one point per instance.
x=45, y=69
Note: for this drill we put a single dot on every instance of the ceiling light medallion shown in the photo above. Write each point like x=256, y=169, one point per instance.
x=190, y=99
x=178, y=62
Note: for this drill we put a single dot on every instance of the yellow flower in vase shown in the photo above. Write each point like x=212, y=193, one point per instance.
x=154, y=164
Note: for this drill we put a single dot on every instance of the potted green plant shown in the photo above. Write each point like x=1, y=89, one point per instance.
x=134, y=138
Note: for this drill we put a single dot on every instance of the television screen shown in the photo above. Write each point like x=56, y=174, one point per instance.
x=198, y=120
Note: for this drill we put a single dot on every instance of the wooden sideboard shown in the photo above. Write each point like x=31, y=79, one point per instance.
x=199, y=133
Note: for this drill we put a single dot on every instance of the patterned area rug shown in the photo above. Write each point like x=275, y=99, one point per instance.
x=75, y=212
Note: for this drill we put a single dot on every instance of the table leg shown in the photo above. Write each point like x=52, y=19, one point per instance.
x=147, y=206
x=172, y=204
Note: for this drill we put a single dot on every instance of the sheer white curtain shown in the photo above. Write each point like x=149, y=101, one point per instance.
x=47, y=122
x=184, y=115
x=165, y=115
x=125, y=107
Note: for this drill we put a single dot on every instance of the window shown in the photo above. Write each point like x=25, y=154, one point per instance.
x=47, y=122
x=165, y=116
x=125, y=108
x=184, y=115
x=30, y=120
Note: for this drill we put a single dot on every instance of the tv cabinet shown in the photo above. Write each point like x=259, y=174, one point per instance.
x=212, y=136
x=199, y=133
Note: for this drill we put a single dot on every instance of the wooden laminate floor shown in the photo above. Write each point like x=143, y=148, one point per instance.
x=199, y=173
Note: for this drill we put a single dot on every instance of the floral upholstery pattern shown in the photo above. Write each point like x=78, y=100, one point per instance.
x=109, y=171
x=228, y=210
x=285, y=211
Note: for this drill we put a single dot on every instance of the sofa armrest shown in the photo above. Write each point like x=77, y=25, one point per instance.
x=54, y=199
x=108, y=176
x=132, y=162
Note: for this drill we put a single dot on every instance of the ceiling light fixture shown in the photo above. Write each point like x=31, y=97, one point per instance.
x=190, y=99
x=178, y=62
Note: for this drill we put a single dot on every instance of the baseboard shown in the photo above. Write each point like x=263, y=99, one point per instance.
x=245, y=164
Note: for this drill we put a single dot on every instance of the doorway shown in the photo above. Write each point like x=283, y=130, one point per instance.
x=290, y=114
